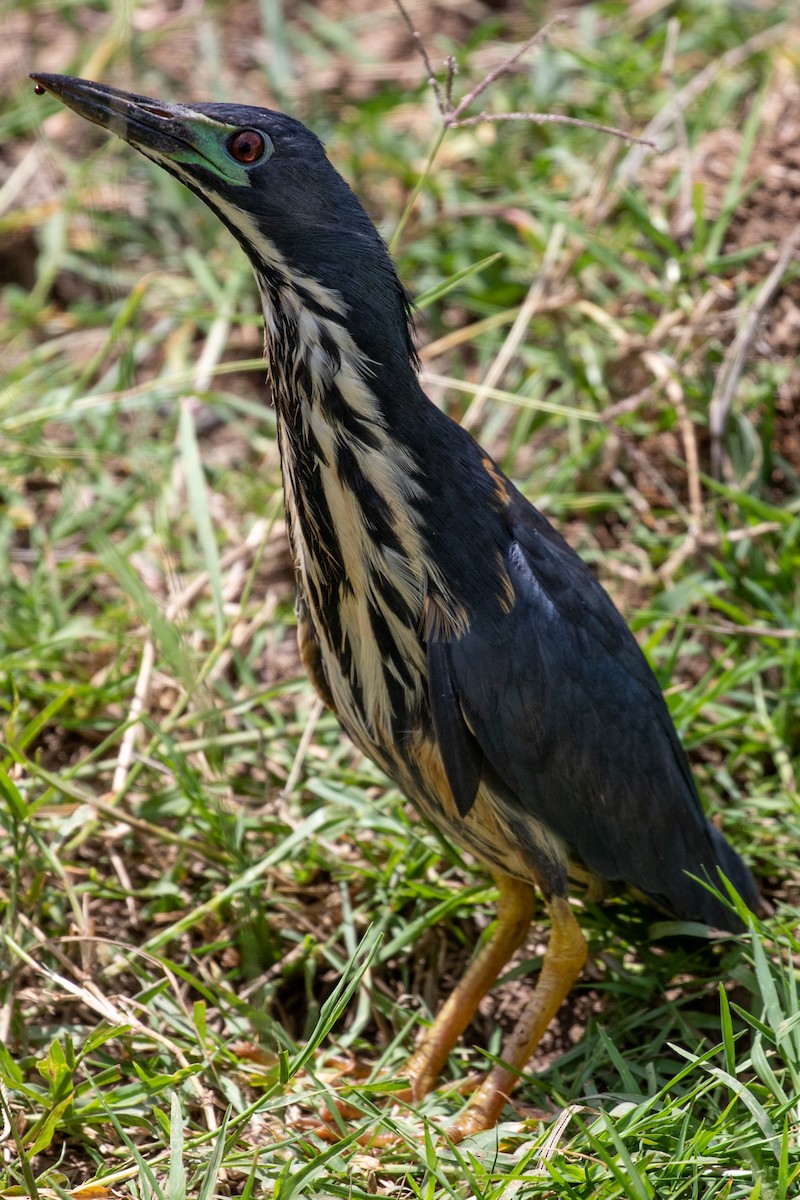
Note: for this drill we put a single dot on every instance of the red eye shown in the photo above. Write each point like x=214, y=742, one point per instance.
x=247, y=145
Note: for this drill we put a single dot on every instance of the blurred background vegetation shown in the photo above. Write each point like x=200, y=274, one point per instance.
x=215, y=915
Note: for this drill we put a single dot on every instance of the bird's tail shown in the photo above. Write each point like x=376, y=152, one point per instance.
x=738, y=875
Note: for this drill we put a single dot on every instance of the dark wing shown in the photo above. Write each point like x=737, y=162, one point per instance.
x=560, y=700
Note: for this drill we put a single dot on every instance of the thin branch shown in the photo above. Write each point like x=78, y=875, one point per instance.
x=553, y=119
x=451, y=66
x=452, y=116
x=443, y=104
x=505, y=67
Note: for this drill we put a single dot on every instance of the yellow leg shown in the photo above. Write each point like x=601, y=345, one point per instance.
x=515, y=910
x=563, y=962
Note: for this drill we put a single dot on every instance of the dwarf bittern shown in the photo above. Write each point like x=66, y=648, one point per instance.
x=463, y=645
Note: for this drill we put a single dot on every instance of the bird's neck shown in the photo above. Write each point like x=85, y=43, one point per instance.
x=351, y=485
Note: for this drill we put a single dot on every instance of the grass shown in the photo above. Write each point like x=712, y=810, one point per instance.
x=216, y=916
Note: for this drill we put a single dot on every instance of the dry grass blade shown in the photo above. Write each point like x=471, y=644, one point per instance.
x=736, y=356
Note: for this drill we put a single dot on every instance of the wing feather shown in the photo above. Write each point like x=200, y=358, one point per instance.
x=559, y=698
x=461, y=755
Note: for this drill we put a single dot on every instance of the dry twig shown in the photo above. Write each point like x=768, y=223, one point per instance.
x=452, y=115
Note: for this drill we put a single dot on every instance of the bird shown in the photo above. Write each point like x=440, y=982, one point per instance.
x=464, y=646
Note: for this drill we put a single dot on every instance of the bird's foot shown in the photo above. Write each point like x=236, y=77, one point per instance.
x=481, y=1113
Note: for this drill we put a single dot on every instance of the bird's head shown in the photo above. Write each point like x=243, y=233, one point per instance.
x=268, y=179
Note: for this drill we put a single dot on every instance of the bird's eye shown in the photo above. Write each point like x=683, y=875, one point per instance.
x=247, y=145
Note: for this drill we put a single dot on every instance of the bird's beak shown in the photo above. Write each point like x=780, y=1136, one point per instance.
x=145, y=123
